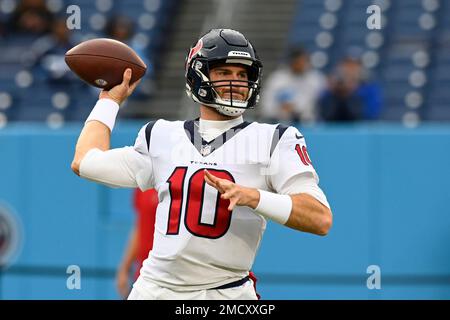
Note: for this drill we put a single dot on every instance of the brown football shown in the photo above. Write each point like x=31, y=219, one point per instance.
x=102, y=62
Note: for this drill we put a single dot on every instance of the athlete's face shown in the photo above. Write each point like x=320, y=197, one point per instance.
x=234, y=73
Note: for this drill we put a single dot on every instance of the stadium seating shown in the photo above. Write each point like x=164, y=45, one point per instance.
x=409, y=56
x=26, y=94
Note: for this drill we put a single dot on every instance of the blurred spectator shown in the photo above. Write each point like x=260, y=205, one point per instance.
x=291, y=93
x=350, y=96
x=47, y=53
x=122, y=28
x=141, y=239
x=31, y=17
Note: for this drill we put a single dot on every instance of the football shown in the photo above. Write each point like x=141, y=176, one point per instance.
x=102, y=62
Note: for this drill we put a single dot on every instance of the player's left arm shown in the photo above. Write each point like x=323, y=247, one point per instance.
x=309, y=215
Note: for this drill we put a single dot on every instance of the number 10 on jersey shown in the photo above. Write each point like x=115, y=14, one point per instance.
x=194, y=194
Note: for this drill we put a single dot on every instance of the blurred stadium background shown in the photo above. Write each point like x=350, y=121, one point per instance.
x=388, y=180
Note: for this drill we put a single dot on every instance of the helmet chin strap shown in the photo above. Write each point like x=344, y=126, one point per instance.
x=229, y=111
x=225, y=110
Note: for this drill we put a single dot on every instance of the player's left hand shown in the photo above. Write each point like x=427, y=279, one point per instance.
x=237, y=194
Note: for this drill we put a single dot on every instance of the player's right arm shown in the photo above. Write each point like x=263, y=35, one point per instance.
x=93, y=159
x=95, y=135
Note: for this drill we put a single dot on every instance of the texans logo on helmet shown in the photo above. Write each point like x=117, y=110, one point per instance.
x=194, y=51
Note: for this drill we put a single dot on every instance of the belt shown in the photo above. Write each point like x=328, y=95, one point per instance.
x=233, y=284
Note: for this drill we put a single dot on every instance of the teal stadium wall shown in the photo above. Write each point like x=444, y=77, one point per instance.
x=389, y=188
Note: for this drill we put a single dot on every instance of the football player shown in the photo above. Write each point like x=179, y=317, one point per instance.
x=218, y=177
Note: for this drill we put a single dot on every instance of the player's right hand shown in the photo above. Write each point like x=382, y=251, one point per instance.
x=237, y=194
x=122, y=91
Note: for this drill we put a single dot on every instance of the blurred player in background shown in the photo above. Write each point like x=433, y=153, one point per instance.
x=218, y=177
x=141, y=239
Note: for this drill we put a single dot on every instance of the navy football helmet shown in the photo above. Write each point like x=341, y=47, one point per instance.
x=222, y=46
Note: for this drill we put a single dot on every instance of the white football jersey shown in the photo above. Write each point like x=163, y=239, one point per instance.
x=198, y=243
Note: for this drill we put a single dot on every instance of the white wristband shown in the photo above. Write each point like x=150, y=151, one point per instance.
x=274, y=206
x=105, y=111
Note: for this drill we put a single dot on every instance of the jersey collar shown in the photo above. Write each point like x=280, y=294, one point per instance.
x=206, y=148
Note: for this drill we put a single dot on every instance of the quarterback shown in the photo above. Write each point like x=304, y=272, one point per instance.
x=219, y=178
